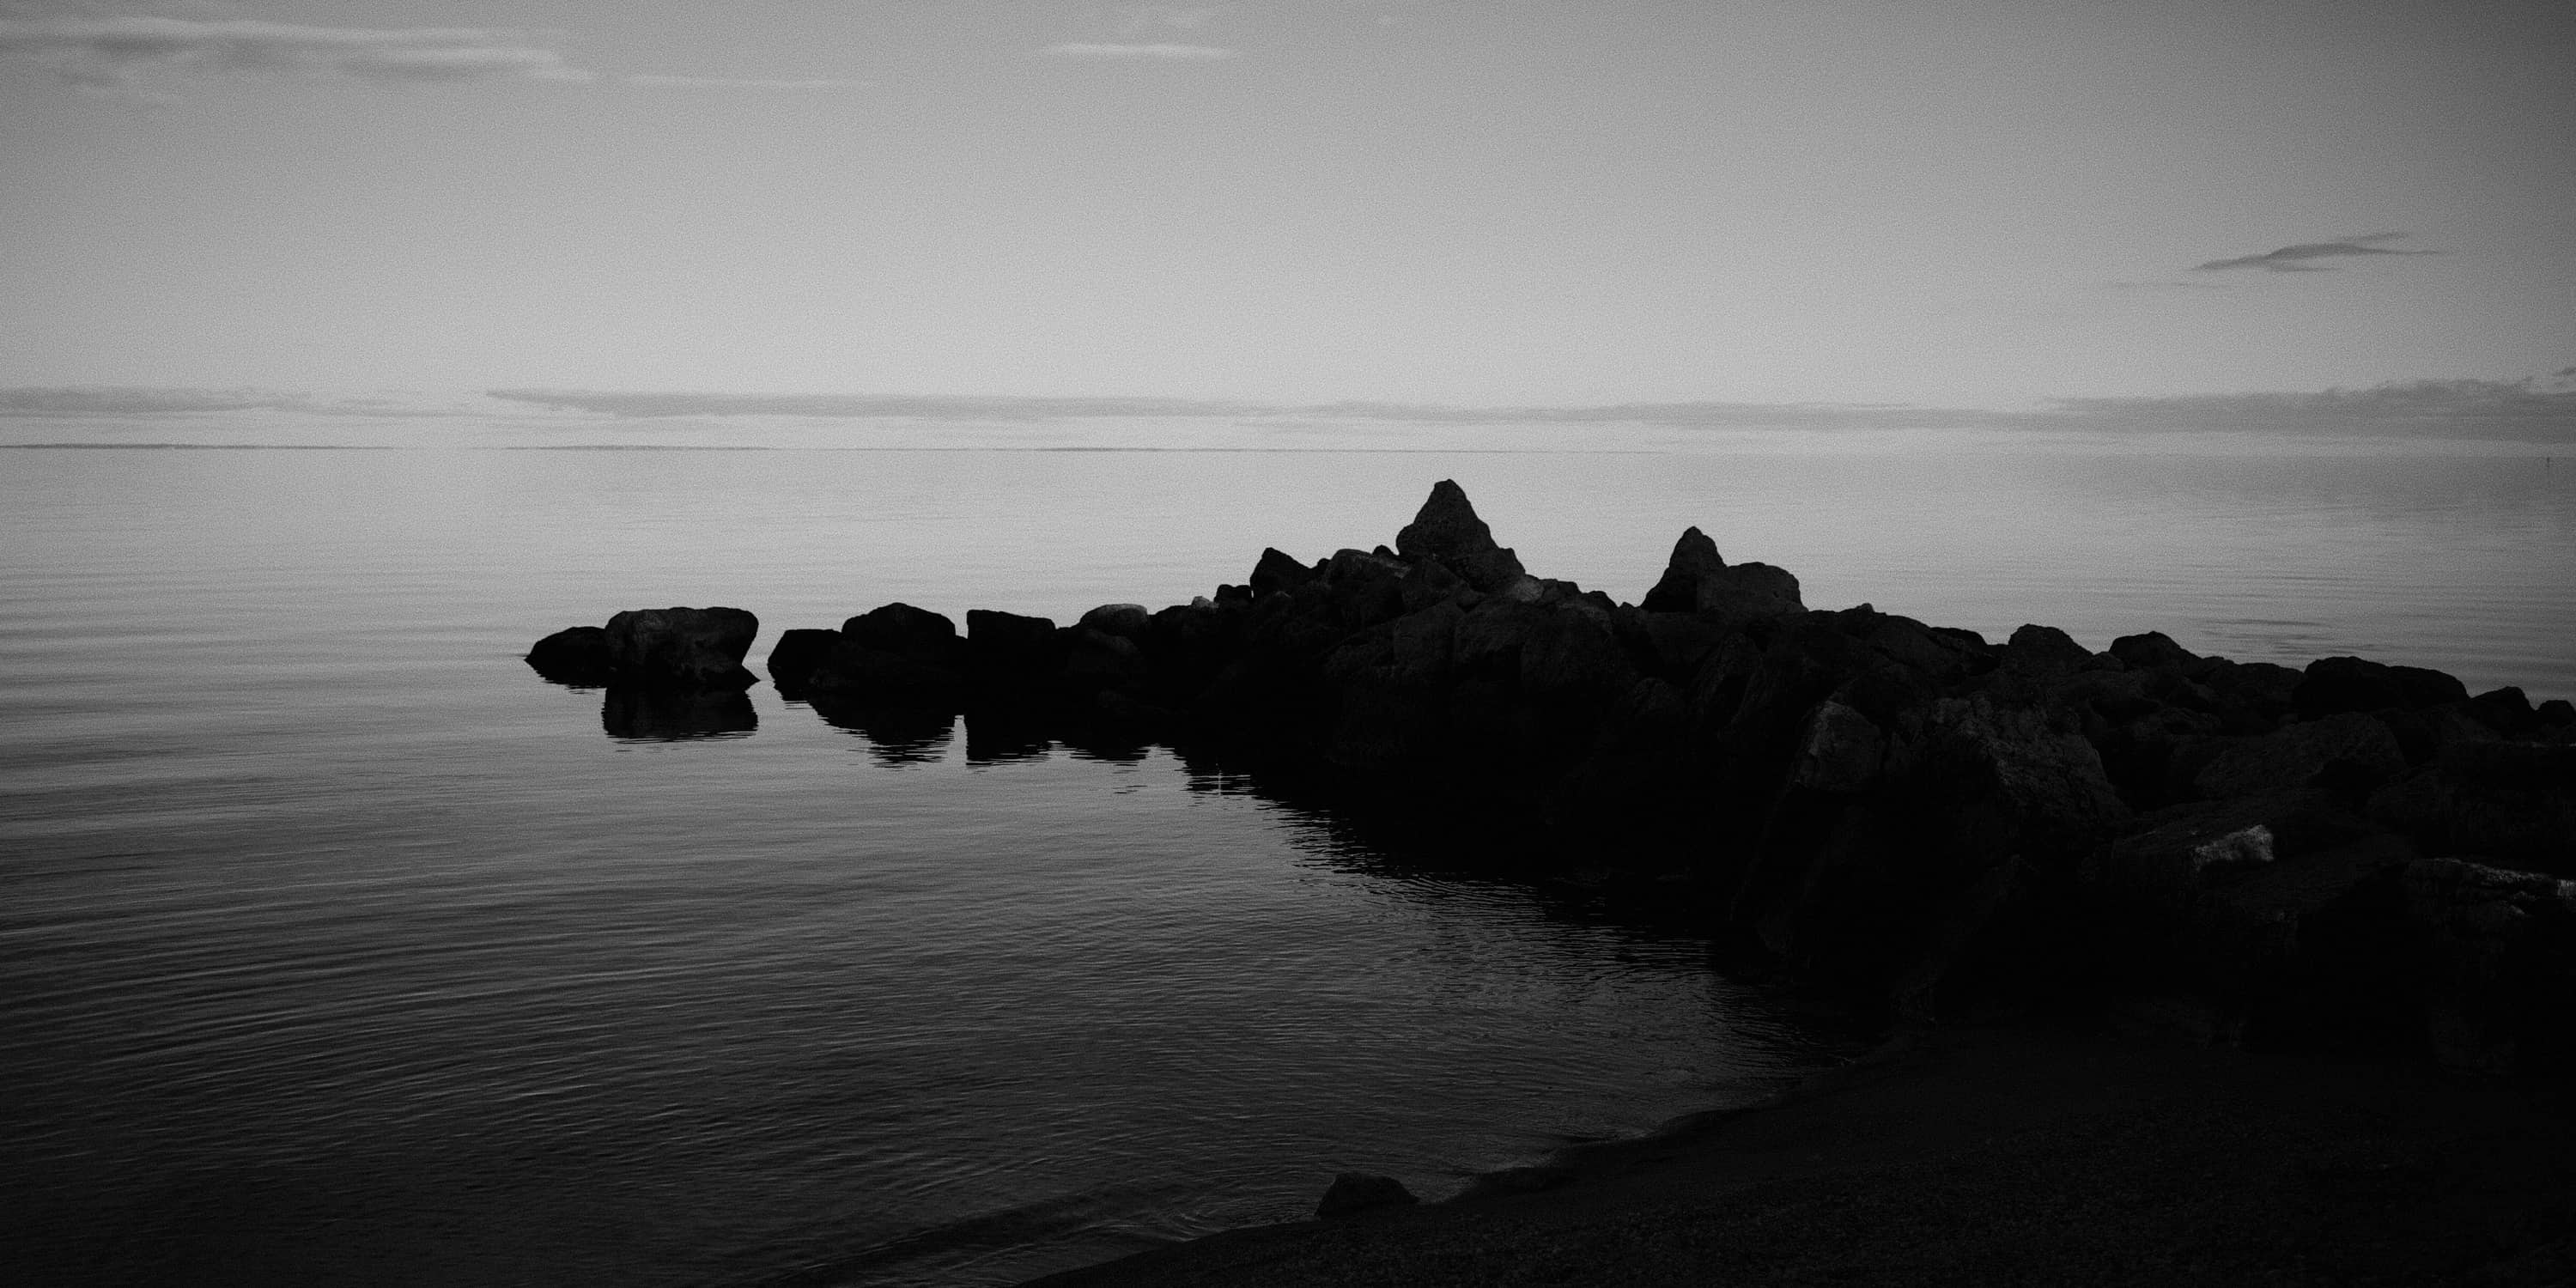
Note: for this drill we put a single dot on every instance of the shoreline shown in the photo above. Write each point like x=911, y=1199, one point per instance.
x=1994, y=1154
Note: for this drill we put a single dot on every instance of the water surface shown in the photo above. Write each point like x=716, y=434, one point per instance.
x=335, y=947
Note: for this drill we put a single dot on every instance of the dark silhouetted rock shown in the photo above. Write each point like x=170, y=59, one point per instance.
x=854, y=674
x=1276, y=572
x=1750, y=590
x=2165, y=866
x=1693, y=557
x=667, y=713
x=2556, y=713
x=892, y=656
x=577, y=656
x=1696, y=580
x=2043, y=650
x=1126, y=621
x=1096, y=660
x=1840, y=752
x=2338, y=684
x=2424, y=733
x=798, y=652
x=2507, y=711
x=2507, y=801
x=1676, y=643
x=2498, y=973
x=691, y=648
x=1429, y=582
x=2153, y=651
x=2297, y=753
x=1446, y=527
x=1007, y=652
x=2251, y=697
x=1353, y=1193
x=916, y=633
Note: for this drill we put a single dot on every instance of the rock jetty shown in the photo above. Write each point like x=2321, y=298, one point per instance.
x=2349, y=856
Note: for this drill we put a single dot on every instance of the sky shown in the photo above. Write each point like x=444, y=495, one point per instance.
x=1933, y=203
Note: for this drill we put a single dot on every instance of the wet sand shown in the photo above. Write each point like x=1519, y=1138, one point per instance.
x=1998, y=1155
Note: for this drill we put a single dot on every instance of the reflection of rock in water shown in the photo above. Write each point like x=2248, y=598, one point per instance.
x=663, y=715
x=896, y=735
x=1115, y=746
x=996, y=739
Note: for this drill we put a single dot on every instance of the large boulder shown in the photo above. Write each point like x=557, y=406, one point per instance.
x=2499, y=969
x=1697, y=580
x=1694, y=556
x=1885, y=870
x=1126, y=621
x=2154, y=651
x=2043, y=652
x=2338, y=684
x=1445, y=527
x=1277, y=572
x=916, y=633
x=1841, y=751
x=799, y=650
x=2298, y=753
x=1007, y=653
x=895, y=655
x=2510, y=802
x=686, y=648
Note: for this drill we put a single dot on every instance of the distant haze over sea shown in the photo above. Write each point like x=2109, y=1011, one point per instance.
x=2538, y=411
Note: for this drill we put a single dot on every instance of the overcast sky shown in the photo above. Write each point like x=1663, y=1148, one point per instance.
x=1977, y=203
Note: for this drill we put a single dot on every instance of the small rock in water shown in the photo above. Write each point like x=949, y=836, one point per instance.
x=577, y=656
x=700, y=648
x=1352, y=1193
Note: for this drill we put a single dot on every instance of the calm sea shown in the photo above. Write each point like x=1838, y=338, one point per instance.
x=335, y=947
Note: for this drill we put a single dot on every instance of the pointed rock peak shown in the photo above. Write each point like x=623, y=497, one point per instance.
x=1694, y=553
x=1446, y=526
x=1694, y=559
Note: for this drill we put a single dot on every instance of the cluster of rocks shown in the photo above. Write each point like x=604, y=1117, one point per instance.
x=2352, y=853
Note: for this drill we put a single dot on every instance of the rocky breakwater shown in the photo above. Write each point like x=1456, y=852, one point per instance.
x=2345, y=855
x=668, y=672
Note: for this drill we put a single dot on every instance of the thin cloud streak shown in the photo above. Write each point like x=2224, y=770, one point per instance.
x=2302, y=257
x=155, y=402
x=1142, y=53
x=2524, y=410
x=2535, y=410
x=736, y=82
x=113, y=53
x=130, y=400
x=2530, y=410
